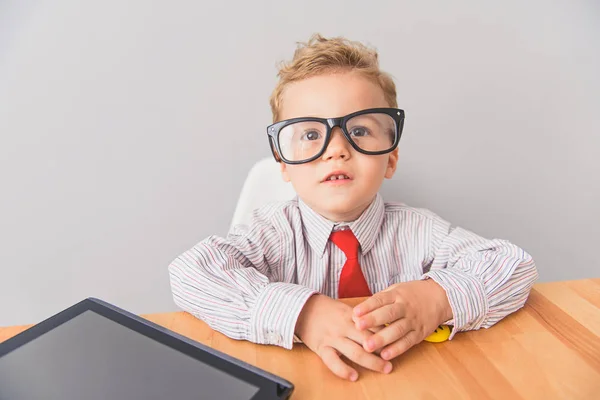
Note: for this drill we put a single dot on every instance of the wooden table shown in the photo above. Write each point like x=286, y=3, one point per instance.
x=548, y=350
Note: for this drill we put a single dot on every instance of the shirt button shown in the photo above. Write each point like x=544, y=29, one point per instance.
x=274, y=338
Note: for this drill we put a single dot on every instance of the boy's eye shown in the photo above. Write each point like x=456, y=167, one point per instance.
x=310, y=135
x=359, y=131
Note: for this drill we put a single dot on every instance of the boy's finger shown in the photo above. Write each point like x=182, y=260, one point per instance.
x=372, y=303
x=372, y=329
x=400, y=346
x=333, y=361
x=360, y=337
x=357, y=335
x=376, y=328
x=390, y=334
x=381, y=316
x=356, y=353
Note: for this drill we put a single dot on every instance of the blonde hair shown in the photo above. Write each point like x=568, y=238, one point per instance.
x=320, y=56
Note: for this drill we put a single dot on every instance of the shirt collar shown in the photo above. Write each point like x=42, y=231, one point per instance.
x=316, y=228
x=366, y=227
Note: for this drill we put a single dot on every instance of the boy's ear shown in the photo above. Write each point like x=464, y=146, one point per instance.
x=284, y=173
x=392, y=164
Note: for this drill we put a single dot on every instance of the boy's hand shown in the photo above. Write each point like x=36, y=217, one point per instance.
x=413, y=310
x=325, y=326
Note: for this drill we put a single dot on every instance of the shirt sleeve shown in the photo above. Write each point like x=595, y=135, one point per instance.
x=485, y=280
x=233, y=284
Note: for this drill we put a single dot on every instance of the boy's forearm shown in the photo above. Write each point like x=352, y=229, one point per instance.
x=217, y=288
x=484, y=280
x=276, y=313
x=444, y=310
x=220, y=280
x=262, y=312
x=477, y=305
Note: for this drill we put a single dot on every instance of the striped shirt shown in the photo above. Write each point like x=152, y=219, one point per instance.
x=253, y=284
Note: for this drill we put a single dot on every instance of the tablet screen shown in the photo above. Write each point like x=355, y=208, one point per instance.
x=92, y=357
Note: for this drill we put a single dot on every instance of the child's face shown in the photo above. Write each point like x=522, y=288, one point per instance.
x=329, y=96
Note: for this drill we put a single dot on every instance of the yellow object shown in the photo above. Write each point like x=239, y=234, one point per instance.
x=441, y=334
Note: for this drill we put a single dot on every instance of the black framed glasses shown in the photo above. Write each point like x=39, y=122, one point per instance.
x=300, y=140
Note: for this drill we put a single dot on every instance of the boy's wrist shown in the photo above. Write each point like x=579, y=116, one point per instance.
x=444, y=310
x=466, y=295
x=304, y=315
x=273, y=321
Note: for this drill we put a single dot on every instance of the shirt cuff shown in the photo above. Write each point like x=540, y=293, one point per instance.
x=275, y=313
x=466, y=296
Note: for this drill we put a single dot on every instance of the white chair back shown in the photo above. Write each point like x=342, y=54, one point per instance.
x=263, y=185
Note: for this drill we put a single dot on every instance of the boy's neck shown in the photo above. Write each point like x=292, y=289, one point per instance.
x=344, y=218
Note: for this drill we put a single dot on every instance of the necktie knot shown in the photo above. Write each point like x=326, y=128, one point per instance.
x=352, y=281
x=347, y=242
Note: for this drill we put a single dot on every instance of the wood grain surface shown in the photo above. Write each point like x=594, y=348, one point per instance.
x=548, y=350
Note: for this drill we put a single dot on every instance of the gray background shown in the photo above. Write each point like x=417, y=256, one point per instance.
x=127, y=129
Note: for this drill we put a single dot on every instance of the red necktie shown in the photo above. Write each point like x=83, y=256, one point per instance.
x=352, y=280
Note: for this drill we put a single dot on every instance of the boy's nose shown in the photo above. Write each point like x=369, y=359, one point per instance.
x=338, y=146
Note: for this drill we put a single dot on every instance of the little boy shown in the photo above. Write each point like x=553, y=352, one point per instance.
x=335, y=134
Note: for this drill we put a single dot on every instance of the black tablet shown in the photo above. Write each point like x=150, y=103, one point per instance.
x=94, y=350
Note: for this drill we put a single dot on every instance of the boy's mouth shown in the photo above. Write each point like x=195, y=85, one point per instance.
x=337, y=177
